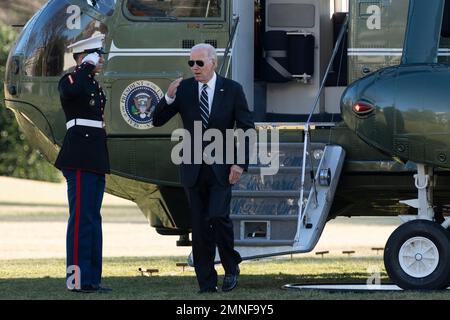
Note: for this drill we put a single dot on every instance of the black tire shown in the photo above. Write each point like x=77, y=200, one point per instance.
x=431, y=233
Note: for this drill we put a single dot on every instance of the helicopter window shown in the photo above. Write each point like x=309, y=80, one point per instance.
x=45, y=49
x=176, y=9
x=103, y=6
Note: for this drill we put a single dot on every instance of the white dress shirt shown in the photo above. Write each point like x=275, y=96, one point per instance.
x=210, y=90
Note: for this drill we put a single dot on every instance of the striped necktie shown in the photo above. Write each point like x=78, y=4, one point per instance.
x=204, y=109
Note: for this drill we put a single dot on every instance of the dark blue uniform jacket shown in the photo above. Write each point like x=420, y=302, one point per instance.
x=82, y=97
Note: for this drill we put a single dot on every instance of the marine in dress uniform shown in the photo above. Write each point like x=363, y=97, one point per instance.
x=84, y=161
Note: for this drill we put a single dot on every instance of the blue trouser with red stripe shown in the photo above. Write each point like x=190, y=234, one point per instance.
x=84, y=231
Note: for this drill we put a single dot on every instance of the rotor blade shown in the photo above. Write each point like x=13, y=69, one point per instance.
x=423, y=31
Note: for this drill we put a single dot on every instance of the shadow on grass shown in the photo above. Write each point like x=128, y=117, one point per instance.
x=251, y=287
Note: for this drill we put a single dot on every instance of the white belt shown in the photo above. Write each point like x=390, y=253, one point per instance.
x=84, y=122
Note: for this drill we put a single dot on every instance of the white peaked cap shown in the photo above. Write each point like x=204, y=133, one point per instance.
x=94, y=42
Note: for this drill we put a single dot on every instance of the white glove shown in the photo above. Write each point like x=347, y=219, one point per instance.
x=92, y=58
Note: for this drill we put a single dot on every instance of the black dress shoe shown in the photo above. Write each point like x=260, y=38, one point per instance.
x=84, y=289
x=208, y=290
x=91, y=289
x=230, y=281
x=81, y=290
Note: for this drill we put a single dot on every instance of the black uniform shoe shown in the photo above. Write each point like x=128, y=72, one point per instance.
x=230, y=281
x=208, y=290
x=91, y=289
x=83, y=290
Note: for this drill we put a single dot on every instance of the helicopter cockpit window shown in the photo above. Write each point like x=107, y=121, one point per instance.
x=103, y=6
x=45, y=46
x=176, y=9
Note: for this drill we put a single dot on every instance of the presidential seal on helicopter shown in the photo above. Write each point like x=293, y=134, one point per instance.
x=138, y=102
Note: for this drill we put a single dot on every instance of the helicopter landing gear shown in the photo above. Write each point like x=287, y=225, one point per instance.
x=184, y=241
x=417, y=254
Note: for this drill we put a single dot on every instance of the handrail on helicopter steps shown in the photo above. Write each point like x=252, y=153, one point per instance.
x=306, y=143
x=229, y=46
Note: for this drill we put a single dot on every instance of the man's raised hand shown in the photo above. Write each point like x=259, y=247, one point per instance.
x=172, y=91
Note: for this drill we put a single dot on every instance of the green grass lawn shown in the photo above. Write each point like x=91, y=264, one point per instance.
x=263, y=279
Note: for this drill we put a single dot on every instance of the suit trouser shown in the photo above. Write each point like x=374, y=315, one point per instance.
x=84, y=231
x=211, y=227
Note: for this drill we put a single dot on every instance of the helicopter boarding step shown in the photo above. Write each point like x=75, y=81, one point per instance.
x=265, y=208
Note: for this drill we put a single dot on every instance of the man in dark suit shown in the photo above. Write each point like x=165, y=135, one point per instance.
x=211, y=102
x=84, y=161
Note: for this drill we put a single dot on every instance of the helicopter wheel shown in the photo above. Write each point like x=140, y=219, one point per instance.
x=417, y=256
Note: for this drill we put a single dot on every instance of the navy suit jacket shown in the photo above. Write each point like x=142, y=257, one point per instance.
x=229, y=111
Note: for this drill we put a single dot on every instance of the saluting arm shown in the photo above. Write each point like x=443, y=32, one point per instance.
x=74, y=84
x=165, y=110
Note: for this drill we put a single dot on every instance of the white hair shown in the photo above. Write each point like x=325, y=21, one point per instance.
x=212, y=54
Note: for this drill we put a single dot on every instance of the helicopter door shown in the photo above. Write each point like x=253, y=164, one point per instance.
x=148, y=48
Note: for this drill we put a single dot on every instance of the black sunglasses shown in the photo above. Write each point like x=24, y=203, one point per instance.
x=200, y=63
